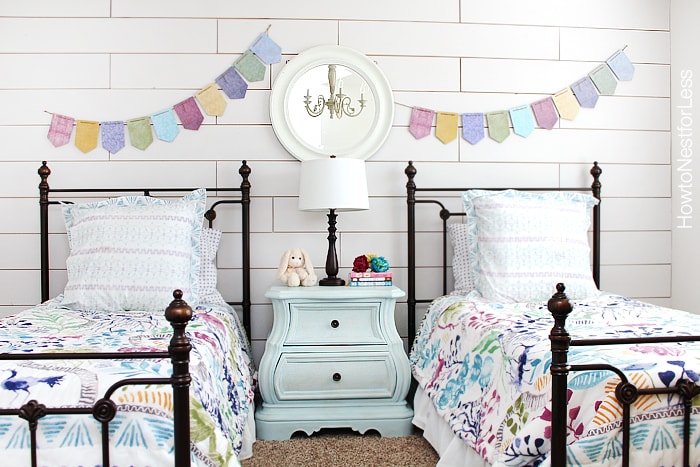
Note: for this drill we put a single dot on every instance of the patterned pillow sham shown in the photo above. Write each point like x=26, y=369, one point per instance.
x=523, y=243
x=130, y=253
x=209, y=245
x=458, y=234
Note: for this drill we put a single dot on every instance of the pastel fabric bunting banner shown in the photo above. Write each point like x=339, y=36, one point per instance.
x=165, y=125
x=604, y=80
x=621, y=65
x=112, y=134
x=421, y=122
x=473, y=127
x=140, y=133
x=266, y=49
x=585, y=92
x=86, y=133
x=189, y=114
x=211, y=101
x=499, y=128
x=232, y=84
x=566, y=104
x=60, y=129
x=523, y=122
x=250, y=67
x=446, y=126
x=545, y=113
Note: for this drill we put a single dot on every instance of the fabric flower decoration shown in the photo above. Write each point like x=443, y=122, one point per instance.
x=379, y=264
x=360, y=264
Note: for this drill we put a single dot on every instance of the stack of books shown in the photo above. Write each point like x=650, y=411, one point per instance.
x=371, y=279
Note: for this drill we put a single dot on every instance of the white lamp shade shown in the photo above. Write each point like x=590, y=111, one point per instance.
x=333, y=183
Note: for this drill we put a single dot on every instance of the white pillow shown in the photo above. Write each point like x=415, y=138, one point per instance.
x=461, y=258
x=209, y=245
x=524, y=243
x=130, y=253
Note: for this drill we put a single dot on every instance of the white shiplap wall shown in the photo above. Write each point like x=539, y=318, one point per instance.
x=119, y=59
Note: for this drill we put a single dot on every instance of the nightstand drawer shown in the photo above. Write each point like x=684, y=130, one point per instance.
x=316, y=323
x=342, y=375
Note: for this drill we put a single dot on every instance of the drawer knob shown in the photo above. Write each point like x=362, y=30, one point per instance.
x=336, y=376
x=335, y=323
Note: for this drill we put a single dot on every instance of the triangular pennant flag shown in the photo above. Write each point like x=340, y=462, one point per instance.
x=250, y=67
x=60, y=129
x=621, y=65
x=545, y=113
x=232, y=84
x=497, y=122
x=140, y=133
x=266, y=49
x=112, y=136
x=421, y=122
x=604, y=80
x=189, y=114
x=473, y=127
x=523, y=122
x=566, y=104
x=585, y=92
x=165, y=125
x=211, y=101
x=446, y=126
x=86, y=133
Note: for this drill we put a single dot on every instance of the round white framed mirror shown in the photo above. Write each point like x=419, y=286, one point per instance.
x=331, y=100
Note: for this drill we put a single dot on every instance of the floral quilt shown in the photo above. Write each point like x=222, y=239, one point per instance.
x=486, y=367
x=221, y=392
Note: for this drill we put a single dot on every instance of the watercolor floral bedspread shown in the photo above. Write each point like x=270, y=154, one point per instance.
x=486, y=368
x=221, y=392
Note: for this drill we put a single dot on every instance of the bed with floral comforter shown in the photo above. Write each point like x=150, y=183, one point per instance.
x=485, y=367
x=221, y=392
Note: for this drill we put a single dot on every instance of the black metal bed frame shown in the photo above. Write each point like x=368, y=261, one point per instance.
x=178, y=313
x=559, y=306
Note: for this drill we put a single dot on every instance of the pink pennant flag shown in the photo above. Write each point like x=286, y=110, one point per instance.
x=189, y=114
x=421, y=122
x=60, y=129
x=545, y=113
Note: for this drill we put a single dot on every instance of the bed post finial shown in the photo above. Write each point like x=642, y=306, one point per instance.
x=560, y=307
x=179, y=313
x=596, y=171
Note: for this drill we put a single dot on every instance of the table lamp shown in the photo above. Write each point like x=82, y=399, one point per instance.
x=333, y=184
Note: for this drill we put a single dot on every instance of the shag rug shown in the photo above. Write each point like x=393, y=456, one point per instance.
x=330, y=448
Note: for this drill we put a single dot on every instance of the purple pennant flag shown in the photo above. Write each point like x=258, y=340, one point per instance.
x=621, y=65
x=189, y=114
x=232, y=84
x=421, y=122
x=165, y=125
x=585, y=92
x=545, y=113
x=473, y=127
x=266, y=49
x=60, y=129
x=112, y=136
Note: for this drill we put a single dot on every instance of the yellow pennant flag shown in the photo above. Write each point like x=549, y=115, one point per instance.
x=86, y=132
x=566, y=103
x=211, y=100
x=446, y=126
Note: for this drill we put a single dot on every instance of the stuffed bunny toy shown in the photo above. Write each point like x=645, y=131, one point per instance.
x=296, y=268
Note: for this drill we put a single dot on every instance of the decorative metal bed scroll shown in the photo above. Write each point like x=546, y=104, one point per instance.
x=178, y=313
x=625, y=392
x=445, y=214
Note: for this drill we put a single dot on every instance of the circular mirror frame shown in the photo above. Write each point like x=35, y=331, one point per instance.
x=368, y=144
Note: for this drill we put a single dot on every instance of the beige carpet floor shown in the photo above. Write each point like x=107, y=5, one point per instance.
x=343, y=448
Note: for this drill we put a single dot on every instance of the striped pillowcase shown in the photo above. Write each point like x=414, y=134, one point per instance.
x=524, y=243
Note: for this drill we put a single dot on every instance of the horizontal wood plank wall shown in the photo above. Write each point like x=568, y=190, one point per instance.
x=120, y=59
